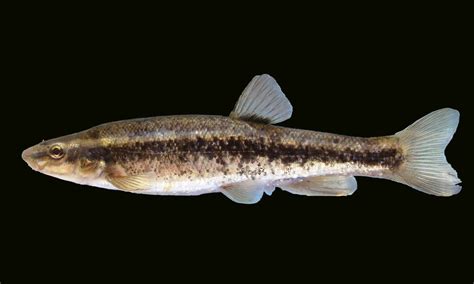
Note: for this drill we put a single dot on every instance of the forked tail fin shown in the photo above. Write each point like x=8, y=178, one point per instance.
x=425, y=167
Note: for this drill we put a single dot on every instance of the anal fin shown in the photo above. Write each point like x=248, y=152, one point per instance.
x=322, y=186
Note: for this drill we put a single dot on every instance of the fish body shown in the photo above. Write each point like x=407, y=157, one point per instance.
x=244, y=155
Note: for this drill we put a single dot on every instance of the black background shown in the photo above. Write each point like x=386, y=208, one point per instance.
x=357, y=73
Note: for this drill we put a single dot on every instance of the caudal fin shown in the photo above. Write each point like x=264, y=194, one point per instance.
x=425, y=167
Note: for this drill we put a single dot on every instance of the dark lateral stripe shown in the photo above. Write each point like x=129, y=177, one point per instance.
x=248, y=150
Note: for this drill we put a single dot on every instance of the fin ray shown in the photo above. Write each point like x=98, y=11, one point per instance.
x=131, y=183
x=248, y=192
x=322, y=186
x=426, y=168
x=262, y=101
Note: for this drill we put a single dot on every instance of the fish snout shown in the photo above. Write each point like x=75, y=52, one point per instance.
x=28, y=156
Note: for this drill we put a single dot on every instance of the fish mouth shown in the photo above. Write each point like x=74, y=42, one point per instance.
x=27, y=156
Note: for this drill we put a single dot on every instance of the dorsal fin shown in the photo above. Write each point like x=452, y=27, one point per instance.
x=262, y=101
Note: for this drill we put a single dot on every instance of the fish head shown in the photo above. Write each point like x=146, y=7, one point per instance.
x=64, y=158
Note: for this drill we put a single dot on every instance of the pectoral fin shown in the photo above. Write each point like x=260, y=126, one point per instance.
x=131, y=183
x=322, y=186
x=246, y=192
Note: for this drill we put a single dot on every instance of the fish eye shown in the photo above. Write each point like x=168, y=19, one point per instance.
x=56, y=152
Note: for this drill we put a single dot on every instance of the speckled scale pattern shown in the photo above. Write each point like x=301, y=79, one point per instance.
x=193, y=154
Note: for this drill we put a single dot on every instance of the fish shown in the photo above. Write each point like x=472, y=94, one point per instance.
x=245, y=155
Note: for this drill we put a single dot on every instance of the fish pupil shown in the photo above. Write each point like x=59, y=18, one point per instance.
x=56, y=152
